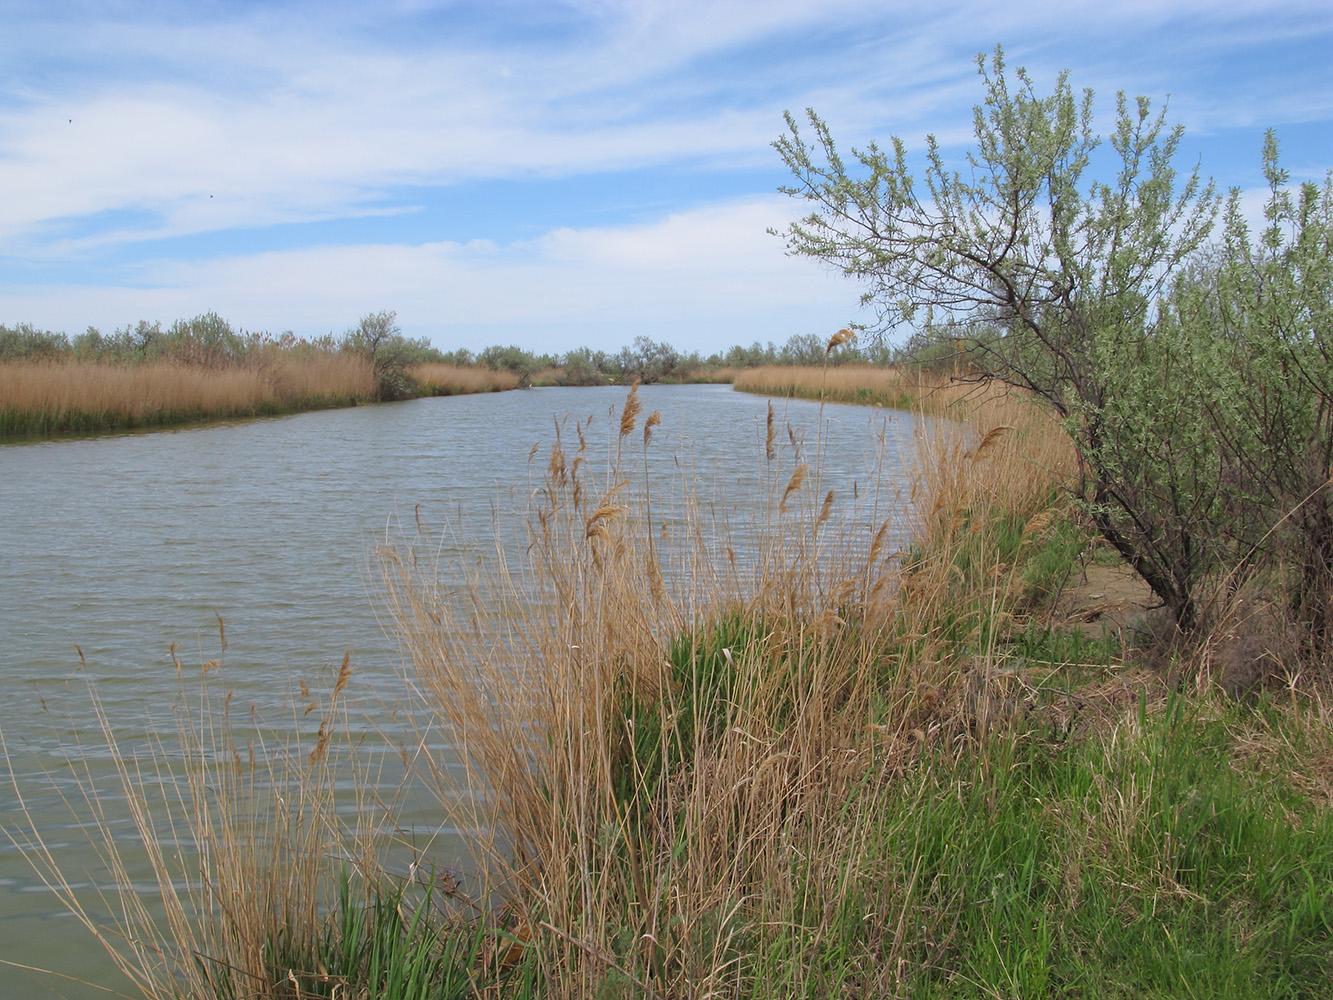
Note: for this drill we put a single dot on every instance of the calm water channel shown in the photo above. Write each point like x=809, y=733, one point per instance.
x=124, y=545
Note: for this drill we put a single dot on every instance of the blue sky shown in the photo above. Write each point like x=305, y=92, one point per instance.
x=549, y=174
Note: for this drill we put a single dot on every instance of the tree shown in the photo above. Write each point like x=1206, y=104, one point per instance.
x=1271, y=305
x=1071, y=272
x=379, y=338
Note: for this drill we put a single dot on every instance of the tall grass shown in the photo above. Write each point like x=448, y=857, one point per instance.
x=62, y=396
x=874, y=384
x=659, y=730
x=816, y=770
x=437, y=379
x=251, y=877
x=830, y=778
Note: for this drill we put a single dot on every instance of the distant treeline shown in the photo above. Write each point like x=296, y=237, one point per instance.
x=647, y=361
x=207, y=340
x=210, y=341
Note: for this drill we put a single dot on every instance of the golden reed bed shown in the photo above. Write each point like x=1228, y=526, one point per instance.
x=455, y=380
x=38, y=398
x=55, y=397
x=872, y=384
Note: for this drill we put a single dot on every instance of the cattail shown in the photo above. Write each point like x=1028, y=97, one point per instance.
x=344, y=675
x=555, y=468
x=596, y=524
x=769, y=450
x=655, y=583
x=878, y=543
x=321, y=743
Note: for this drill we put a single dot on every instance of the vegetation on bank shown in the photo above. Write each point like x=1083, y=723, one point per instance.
x=1192, y=373
x=202, y=369
x=866, y=758
x=876, y=385
x=867, y=754
x=49, y=398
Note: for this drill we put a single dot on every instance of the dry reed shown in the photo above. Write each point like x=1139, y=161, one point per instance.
x=38, y=397
x=875, y=384
x=245, y=850
x=454, y=380
x=668, y=754
x=657, y=736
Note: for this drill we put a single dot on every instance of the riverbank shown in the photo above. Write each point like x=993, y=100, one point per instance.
x=876, y=385
x=853, y=771
x=58, y=397
x=874, y=756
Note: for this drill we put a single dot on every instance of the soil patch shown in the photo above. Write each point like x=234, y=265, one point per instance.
x=1115, y=596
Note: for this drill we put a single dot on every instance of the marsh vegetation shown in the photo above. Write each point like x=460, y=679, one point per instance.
x=203, y=369
x=871, y=752
x=867, y=758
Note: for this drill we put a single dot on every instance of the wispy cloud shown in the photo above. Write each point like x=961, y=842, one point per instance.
x=139, y=132
x=712, y=272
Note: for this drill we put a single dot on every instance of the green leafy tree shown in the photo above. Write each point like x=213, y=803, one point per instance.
x=25, y=341
x=647, y=361
x=511, y=359
x=379, y=338
x=1271, y=305
x=1068, y=269
x=584, y=366
x=207, y=340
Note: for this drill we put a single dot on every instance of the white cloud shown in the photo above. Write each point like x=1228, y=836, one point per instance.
x=235, y=120
x=702, y=277
x=293, y=118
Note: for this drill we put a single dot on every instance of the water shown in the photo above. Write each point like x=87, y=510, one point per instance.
x=113, y=549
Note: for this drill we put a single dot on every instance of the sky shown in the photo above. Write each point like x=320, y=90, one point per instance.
x=545, y=173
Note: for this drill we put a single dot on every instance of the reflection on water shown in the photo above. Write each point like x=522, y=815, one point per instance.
x=113, y=549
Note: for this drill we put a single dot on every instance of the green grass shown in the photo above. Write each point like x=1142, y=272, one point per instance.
x=1141, y=861
x=394, y=945
x=1146, y=866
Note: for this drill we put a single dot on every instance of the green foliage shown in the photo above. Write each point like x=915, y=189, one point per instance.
x=380, y=339
x=1269, y=303
x=663, y=730
x=1146, y=867
x=206, y=340
x=584, y=366
x=1182, y=376
x=395, y=945
x=647, y=361
x=515, y=359
x=25, y=342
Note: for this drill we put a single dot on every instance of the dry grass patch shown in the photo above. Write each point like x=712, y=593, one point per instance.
x=873, y=384
x=454, y=380
x=50, y=397
x=658, y=731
